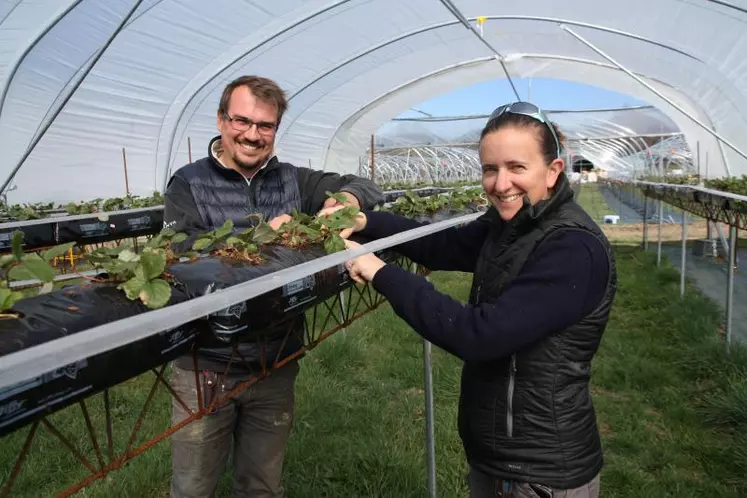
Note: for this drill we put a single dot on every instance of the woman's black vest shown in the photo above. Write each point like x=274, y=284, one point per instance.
x=529, y=416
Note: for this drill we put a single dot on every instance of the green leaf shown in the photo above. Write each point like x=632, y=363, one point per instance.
x=5, y=294
x=56, y=251
x=168, y=232
x=263, y=234
x=123, y=269
x=300, y=217
x=46, y=288
x=202, y=243
x=17, y=244
x=338, y=196
x=224, y=230
x=179, y=238
x=155, y=294
x=128, y=255
x=155, y=242
x=133, y=287
x=13, y=299
x=234, y=241
x=38, y=267
x=344, y=218
x=8, y=298
x=334, y=243
x=20, y=272
x=152, y=264
x=6, y=260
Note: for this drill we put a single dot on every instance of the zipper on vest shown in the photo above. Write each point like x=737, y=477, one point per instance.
x=510, y=399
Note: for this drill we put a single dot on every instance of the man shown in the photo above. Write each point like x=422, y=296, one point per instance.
x=241, y=176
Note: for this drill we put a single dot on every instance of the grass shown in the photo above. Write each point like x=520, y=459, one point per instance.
x=593, y=202
x=671, y=407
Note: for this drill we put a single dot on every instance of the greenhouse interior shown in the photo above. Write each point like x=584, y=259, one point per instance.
x=126, y=329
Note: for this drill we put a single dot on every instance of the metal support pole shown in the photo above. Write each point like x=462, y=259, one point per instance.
x=645, y=223
x=683, y=262
x=189, y=149
x=730, y=283
x=458, y=15
x=657, y=93
x=430, y=433
x=342, y=312
x=430, y=437
x=429, y=418
x=658, y=233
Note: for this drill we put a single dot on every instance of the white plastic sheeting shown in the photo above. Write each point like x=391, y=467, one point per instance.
x=615, y=140
x=349, y=66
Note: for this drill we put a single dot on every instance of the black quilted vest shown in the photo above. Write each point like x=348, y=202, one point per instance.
x=529, y=417
x=221, y=194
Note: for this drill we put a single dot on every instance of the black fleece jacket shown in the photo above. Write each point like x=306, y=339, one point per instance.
x=563, y=281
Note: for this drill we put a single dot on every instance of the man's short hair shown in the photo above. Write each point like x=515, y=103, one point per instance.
x=264, y=89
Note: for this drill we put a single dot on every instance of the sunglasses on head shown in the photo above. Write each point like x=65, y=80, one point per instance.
x=526, y=109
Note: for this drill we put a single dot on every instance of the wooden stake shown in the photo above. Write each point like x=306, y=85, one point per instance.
x=124, y=162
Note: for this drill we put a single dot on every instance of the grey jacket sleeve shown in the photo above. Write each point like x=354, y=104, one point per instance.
x=314, y=184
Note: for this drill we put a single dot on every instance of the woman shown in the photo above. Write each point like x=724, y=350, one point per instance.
x=544, y=281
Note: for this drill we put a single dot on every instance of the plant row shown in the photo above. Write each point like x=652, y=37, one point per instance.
x=734, y=185
x=144, y=276
x=36, y=211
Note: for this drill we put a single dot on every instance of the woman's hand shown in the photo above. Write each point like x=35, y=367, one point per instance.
x=360, y=220
x=363, y=268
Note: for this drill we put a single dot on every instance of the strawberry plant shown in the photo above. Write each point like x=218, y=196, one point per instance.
x=19, y=266
x=735, y=185
x=303, y=230
x=243, y=246
x=140, y=275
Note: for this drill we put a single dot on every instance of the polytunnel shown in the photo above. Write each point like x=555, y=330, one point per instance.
x=625, y=143
x=86, y=84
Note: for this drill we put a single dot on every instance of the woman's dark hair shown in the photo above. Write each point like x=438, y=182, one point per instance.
x=542, y=132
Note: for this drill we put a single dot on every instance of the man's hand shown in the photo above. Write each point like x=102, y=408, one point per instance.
x=363, y=268
x=279, y=220
x=351, y=201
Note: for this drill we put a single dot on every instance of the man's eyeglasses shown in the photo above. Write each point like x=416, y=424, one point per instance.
x=244, y=124
x=526, y=109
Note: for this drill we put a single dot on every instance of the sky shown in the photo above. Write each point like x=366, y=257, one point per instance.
x=482, y=98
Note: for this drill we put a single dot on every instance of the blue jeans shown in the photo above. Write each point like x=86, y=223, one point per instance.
x=485, y=486
x=258, y=423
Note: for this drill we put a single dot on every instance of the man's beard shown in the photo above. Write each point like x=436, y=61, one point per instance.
x=250, y=167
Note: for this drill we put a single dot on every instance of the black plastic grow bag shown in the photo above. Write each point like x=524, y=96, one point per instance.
x=73, y=309
x=88, y=230
x=76, y=308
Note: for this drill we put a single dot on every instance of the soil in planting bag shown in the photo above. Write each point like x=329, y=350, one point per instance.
x=247, y=319
x=73, y=309
x=100, y=228
x=34, y=236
